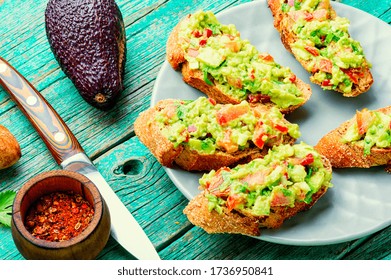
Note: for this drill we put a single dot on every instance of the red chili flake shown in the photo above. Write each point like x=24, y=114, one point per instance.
x=59, y=216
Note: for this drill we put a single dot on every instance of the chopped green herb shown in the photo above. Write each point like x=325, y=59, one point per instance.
x=206, y=79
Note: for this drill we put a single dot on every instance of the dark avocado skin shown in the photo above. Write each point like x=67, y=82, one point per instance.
x=88, y=40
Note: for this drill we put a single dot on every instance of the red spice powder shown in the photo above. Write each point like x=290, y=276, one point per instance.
x=59, y=216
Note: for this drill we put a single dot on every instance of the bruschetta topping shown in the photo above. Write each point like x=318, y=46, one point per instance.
x=286, y=175
x=325, y=46
x=370, y=129
x=206, y=126
x=239, y=68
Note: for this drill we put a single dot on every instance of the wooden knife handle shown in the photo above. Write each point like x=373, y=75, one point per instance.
x=52, y=129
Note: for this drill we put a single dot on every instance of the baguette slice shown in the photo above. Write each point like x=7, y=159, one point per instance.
x=237, y=219
x=178, y=53
x=325, y=71
x=167, y=152
x=351, y=154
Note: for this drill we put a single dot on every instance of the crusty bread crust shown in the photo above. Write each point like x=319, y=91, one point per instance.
x=149, y=134
x=212, y=222
x=284, y=25
x=241, y=223
x=195, y=78
x=345, y=155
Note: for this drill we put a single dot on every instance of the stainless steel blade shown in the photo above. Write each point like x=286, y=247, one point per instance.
x=124, y=228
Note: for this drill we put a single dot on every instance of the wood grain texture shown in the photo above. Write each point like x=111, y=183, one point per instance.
x=108, y=137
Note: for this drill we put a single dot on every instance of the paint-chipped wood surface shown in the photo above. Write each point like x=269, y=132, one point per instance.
x=108, y=137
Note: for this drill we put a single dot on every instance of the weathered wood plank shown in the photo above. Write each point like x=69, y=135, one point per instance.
x=376, y=247
x=380, y=9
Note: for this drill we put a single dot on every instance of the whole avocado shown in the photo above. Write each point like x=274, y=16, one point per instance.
x=88, y=40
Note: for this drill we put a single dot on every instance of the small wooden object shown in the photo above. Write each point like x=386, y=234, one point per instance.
x=86, y=245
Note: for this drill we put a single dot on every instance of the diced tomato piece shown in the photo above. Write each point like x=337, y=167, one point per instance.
x=233, y=46
x=208, y=32
x=353, y=73
x=312, y=50
x=259, y=136
x=308, y=16
x=196, y=33
x=282, y=128
x=213, y=185
x=326, y=83
x=202, y=42
x=325, y=65
x=236, y=82
x=191, y=128
x=170, y=111
x=233, y=201
x=309, y=159
x=320, y=14
x=256, y=178
x=229, y=113
x=279, y=199
x=364, y=119
x=266, y=57
x=259, y=110
x=251, y=74
x=295, y=15
x=227, y=144
x=259, y=140
x=192, y=52
x=292, y=78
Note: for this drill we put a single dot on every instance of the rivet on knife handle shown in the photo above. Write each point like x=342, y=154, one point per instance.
x=53, y=130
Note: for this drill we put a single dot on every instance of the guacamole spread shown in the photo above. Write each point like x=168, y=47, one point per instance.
x=324, y=43
x=286, y=175
x=370, y=129
x=208, y=127
x=237, y=67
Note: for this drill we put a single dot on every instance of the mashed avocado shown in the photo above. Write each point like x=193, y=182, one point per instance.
x=334, y=58
x=208, y=127
x=370, y=129
x=286, y=175
x=237, y=67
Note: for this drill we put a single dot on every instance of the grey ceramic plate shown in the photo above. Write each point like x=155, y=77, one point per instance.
x=359, y=203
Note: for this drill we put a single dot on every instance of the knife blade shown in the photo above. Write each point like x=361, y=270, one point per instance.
x=69, y=154
x=124, y=225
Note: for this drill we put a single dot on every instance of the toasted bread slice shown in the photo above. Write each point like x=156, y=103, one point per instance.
x=167, y=152
x=178, y=53
x=241, y=221
x=344, y=154
x=318, y=53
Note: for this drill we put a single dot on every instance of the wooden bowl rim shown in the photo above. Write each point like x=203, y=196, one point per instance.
x=98, y=209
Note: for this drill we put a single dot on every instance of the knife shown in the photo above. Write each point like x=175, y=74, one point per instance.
x=69, y=154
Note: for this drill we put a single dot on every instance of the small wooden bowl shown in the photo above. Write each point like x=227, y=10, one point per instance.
x=87, y=245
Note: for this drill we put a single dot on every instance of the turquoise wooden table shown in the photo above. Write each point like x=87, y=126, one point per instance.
x=108, y=137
